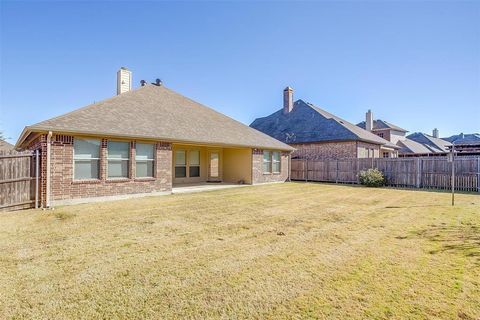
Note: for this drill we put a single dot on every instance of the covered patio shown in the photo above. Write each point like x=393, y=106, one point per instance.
x=197, y=166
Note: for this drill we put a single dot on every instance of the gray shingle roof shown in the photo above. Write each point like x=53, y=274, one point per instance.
x=410, y=146
x=381, y=124
x=155, y=112
x=308, y=123
x=464, y=139
x=435, y=144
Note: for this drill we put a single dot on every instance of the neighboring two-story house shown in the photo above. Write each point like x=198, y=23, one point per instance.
x=415, y=144
x=318, y=134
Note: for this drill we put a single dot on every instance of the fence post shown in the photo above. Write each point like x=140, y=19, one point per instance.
x=306, y=170
x=419, y=175
x=478, y=174
x=357, y=160
x=336, y=173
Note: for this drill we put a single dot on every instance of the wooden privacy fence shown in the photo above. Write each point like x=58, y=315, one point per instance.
x=421, y=172
x=18, y=180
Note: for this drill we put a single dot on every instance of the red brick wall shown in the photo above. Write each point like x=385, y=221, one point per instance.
x=257, y=168
x=326, y=150
x=63, y=187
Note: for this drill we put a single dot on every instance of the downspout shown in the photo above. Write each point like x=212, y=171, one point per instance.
x=289, y=165
x=47, y=191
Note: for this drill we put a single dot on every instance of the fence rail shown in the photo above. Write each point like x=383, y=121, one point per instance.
x=421, y=172
x=18, y=172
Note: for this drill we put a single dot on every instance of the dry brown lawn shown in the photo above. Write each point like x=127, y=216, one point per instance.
x=283, y=251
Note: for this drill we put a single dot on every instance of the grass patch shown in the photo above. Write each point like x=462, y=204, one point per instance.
x=291, y=250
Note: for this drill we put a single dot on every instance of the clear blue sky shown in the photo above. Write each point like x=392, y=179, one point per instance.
x=416, y=64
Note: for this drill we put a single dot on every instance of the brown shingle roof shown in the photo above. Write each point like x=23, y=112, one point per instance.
x=5, y=146
x=155, y=112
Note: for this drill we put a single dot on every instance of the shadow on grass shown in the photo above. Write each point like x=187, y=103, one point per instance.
x=463, y=239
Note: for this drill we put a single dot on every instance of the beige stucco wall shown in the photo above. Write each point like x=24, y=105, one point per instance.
x=237, y=165
x=363, y=147
x=204, y=163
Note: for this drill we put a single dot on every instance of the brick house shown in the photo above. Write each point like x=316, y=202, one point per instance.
x=318, y=134
x=414, y=145
x=144, y=142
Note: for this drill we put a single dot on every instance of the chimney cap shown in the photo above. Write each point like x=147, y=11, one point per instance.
x=123, y=68
x=288, y=88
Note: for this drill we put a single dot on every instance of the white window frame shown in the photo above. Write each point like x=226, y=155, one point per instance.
x=84, y=159
x=269, y=161
x=190, y=165
x=119, y=159
x=279, y=161
x=181, y=166
x=151, y=160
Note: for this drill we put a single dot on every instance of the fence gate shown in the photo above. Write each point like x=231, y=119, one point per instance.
x=19, y=172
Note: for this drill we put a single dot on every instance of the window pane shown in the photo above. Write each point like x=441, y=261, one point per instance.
x=194, y=171
x=276, y=167
x=266, y=167
x=117, y=169
x=266, y=155
x=86, y=148
x=144, y=151
x=180, y=158
x=180, y=172
x=118, y=150
x=144, y=169
x=194, y=157
x=276, y=156
x=86, y=169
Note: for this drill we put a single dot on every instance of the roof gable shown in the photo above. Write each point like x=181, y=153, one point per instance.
x=155, y=112
x=381, y=124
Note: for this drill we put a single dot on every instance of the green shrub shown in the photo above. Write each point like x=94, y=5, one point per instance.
x=371, y=178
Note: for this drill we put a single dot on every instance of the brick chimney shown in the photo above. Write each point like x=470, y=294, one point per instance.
x=287, y=100
x=124, y=80
x=435, y=133
x=369, y=120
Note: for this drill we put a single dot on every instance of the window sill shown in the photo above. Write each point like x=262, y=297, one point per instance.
x=267, y=173
x=87, y=181
x=114, y=180
x=276, y=173
x=145, y=179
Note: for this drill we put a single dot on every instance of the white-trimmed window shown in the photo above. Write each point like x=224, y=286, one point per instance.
x=144, y=160
x=193, y=163
x=276, y=162
x=180, y=164
x=86, y=158
x=118, y=157
x=267, y=161
x=386, y=155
